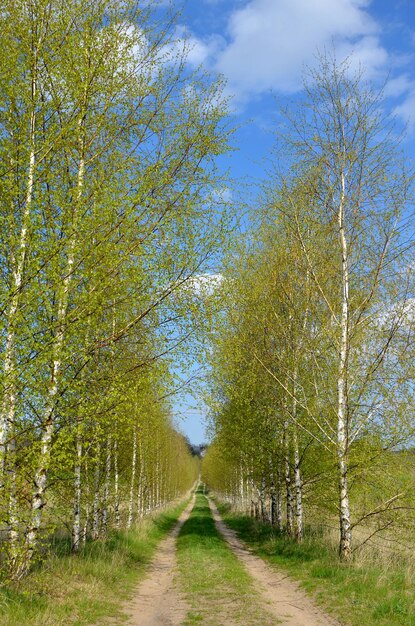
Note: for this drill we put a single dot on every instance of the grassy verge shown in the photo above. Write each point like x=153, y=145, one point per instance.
x=216, y=584
x=368, y=595
x=90, y=587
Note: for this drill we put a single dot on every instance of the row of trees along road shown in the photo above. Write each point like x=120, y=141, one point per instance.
x=312, y=375
x=107, y=183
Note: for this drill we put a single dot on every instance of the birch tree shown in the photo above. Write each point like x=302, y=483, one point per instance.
x=361, y=187
x=110, y=145
x=328, y=281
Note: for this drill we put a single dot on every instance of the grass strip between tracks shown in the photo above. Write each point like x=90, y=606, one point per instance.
x=218, y=588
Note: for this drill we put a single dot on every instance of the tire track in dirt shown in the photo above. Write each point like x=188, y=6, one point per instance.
x=284, y=599
x=157, y=601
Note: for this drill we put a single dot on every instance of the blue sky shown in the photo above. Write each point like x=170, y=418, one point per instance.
x=261, y=47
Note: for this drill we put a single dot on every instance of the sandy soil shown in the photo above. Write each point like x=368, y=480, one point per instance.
x=157, y=601
x=283, y=597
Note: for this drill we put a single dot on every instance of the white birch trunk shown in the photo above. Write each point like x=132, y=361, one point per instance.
x=40, y=480
x=157, y=485
x=76, y=524
x=151, y=496
x=8, y=406
x=140, y=497
x=264, y=508
x=345, y=548
x=299, y=515
x=251, y=495
x=163, y=483
x=245, y=490
x=96, y=502
x=254, y=500
x=273, y=506
x=297, y=469
x=87, y=491
x=279, y=498
x=275, y=497
x=14, y=534
x=141, y=479
x=288, y=483
x=106, y=493
x=116, y=488
x=86, y=524
x=132, y=483
x=276, y=508
x=241, y=487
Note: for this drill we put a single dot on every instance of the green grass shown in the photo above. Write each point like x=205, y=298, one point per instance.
x=217, y=586
x=90, y=587
x=369, y=595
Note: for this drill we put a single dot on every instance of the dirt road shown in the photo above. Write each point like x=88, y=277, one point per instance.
x=158, y=601
x=283, y=597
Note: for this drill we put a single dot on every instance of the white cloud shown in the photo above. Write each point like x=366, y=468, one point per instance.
x=202, y=51
x=197, y=51
x=403, y=87
x=270, y=41
x=222, y=194
x=204, y=284
x=398, y=86
x=366, y=53
x=406, y=110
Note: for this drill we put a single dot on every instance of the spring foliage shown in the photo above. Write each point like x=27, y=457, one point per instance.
x=108, y=147
x=311, y=376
